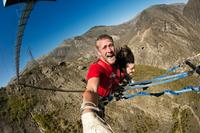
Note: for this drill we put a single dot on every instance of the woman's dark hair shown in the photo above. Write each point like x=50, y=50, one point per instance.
x=124, y=55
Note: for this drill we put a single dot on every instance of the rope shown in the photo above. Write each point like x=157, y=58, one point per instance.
x=49, y=89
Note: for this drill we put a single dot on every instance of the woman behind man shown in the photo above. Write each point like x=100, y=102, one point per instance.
x=125, y=62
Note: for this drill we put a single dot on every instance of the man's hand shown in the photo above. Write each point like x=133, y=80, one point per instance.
x=118, y=92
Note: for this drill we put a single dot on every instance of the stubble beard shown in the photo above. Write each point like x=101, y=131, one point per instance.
x=110, y=60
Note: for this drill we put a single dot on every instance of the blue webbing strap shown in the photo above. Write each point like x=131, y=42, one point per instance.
x=173, y=69
x=156, y=81
x=165, y=78
x=162, y=77
x=178, y=92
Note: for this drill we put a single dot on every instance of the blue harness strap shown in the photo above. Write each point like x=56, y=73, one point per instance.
x=165, y=78
x=157, y=81
x=173, y=69
x=178, y=92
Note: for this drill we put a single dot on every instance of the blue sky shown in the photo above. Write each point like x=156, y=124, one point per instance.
x=52, y=22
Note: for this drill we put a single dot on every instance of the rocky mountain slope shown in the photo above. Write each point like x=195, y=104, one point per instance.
x=161, y=36
x=191, y=11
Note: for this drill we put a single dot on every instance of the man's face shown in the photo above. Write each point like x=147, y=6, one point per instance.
x=130, y=68
x=106, y=50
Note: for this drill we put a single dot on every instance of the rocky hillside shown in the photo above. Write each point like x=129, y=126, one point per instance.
x=192, y=12
x=160, y=36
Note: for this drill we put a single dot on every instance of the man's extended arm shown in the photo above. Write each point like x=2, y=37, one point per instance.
x=90, y=95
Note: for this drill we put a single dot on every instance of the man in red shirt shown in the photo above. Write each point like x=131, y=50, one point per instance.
x=100, y=81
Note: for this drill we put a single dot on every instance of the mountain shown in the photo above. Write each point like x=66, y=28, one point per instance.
x=192, y=12
x=160, y=36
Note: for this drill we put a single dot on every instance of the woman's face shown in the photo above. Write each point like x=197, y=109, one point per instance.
x=130, y=68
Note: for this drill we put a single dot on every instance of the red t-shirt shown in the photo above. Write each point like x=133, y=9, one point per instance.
x=108, y=74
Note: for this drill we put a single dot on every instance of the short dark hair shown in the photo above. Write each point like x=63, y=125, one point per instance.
x=104, y=36
x=124, y=55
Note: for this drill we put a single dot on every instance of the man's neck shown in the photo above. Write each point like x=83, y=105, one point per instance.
x=102, y=59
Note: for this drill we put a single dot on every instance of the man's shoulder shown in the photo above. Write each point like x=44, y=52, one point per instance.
x=95, y=70
x=95, y=65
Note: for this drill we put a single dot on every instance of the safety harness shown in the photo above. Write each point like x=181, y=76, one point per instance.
x=165, y=78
